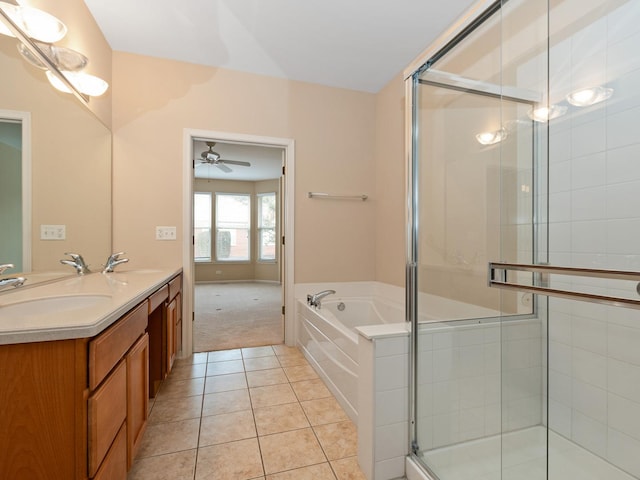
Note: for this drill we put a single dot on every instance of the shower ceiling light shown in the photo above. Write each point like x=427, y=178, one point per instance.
x=589, y=96
x=36, y=23
x=491, y=138
x=544, y=114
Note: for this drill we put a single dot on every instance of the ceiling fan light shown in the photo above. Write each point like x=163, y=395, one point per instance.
x=586, y=97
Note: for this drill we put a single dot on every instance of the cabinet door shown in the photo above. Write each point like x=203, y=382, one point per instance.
x=114, y=466
x=178, y=336
x=107, y=413
x=137, y=395
x=172, y=320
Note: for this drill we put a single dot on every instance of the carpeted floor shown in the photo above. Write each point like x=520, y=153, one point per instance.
x=237, y=315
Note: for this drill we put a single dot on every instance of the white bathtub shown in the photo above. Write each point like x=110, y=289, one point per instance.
x=327, y=335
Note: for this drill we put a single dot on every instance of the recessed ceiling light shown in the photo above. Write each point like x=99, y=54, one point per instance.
x=544, y=114
x=586, y=97
x=491, y=138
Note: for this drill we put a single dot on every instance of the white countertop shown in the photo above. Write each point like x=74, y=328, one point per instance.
x=115, y=294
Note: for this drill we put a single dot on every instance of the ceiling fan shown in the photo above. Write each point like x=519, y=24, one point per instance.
x=213, y=158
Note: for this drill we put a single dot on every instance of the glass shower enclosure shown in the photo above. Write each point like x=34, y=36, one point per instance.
x=524, y=244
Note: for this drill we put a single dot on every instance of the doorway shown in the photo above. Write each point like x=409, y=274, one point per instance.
x=238, y=266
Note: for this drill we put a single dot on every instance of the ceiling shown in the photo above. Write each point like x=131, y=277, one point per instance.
x=266, y=162
x=354, y=44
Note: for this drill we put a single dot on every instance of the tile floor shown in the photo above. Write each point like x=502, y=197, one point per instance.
x=253, y=413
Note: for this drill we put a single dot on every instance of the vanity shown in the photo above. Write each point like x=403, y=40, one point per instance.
x=79, y=359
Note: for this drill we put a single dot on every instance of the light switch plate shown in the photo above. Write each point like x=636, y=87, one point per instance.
x=53, y=232
x=165, y=233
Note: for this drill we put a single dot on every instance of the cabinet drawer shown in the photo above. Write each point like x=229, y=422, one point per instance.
x=107, y=413
x=158, y=297
x=106, y=350
x=175, y=287
x=114, y=466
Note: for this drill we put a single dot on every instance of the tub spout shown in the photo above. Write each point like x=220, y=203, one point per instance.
x=314, y=300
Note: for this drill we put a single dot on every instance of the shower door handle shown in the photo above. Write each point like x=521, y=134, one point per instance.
x=498, y=278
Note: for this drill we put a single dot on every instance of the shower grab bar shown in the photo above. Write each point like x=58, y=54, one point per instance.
x=341, y=197
x=544, y=270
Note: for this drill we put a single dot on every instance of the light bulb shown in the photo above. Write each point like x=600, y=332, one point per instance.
x=491, y=138
x=544, y=114
x=589, y=96
x=83, y=82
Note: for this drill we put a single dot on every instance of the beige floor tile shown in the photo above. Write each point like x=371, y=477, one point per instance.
x=338, y=440
x=289, y=450
x=261, y=378
x=200, y=357
x=310, y=389
x=321, y=471
x=226, y=402
x=300, y=372
x=323, y=410
x=223, y=355
x=172, y=466
x=292, y=360
x=227, y=427
x=271, y=395
x=169, y=409
x=283, y=349
x=169, y=437
x=184, y=372
x=261, y=363
x=253, y=352
x=224, y=383
x=230, y=461
x=224, y=368
x=280, y=418
x=181, y=388
x=348, y=469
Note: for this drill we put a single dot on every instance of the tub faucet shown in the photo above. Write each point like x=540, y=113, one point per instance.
x=10, y=281
x=76, y=262
x=113, y=260
x=314, y=300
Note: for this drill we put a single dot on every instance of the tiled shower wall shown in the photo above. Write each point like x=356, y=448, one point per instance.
x=594, y=221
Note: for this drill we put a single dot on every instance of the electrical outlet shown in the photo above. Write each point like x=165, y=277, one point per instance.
x=166, y=233
x=53, y=232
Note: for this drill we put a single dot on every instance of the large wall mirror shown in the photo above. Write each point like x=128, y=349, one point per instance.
x=65, y=149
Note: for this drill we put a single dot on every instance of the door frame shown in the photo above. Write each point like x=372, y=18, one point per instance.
x=288, y=195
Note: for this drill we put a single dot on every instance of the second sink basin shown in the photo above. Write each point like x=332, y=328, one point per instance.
x=62, y=303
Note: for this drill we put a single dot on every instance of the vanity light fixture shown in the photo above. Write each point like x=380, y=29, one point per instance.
x=544, y=114
x=85, y=83
x=37, y=31
x=491, y=138
x=36, y=23
x=586, y=97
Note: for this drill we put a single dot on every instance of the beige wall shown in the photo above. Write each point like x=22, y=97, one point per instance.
x=334, y=130
x=390, y=184
x=253, y=270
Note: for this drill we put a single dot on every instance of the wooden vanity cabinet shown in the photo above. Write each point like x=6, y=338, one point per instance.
x=77, y=409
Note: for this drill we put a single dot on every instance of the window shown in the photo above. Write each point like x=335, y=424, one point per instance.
x=202, y=227
x=266, y=227
x=233, y=223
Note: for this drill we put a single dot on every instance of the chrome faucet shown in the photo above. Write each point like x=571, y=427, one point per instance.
x=113, y=260
x=10, y=281
x=76, y=262
x=314, y=300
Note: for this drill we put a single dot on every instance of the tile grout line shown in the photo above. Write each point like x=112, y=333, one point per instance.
x=253, y=415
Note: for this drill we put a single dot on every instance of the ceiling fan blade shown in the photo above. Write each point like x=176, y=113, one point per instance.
x=235, y=162
x=223, y=167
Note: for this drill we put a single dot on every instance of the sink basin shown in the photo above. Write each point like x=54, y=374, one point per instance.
x=57, y=304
